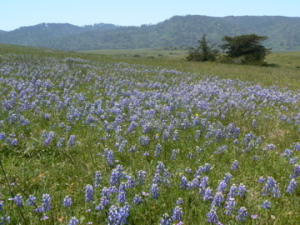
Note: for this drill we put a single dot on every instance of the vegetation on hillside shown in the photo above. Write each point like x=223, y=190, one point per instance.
x=178, y=31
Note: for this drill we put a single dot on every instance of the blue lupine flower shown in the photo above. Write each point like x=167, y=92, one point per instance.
x=218, y=199
x=116, y=175
x=31, y=200
x=1, y=205
x=227, y=177
x=71, y=141
x=296, y=171
x=229, y=206
x=14, y=142
x=165, y=220
x=2, y=136
x=235, y=165
x=146, y=153
x=177, y=214
x=46, y=204
x=67, y=202
x=174, y=154
x=183, y=182
x=287, y=152
x=144, y=140
x=118, y=215
x=97, y=179
x=74, y=221
x=269, y=186
x=207, y=194
x=130, y=181
x=109, y=155
x=104, y=201
x=107, y=191
x=212, y=216
x=46, y=200
x=179, y=201
x=5, y=219
x=137, y=200
x=158, y=150
x=154, y=191
x=222, y=186
x=60, y=142
x=297, y=147
x=18, y=199
x=233, y=191
x=89, y=193
x=142, y=177
x=266, y=204
x=292, y=186
x=270, y=147
x=242, y=214
x=241, y=190
x=122, y=197
x=293, y=160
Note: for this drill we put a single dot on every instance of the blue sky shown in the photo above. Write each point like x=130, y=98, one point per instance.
x=17, y=13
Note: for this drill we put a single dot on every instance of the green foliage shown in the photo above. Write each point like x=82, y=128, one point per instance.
x=179, y=31
x=203, y=52
x=245, y=49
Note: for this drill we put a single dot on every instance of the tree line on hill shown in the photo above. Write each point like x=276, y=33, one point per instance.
x=178, y=31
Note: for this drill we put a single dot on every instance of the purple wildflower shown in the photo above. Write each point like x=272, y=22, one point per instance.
x=266, y=204
x=241, y=190
x=118, y=215
x=229, y=206
x=142, y=177
x=212, y=216
x=31, y=200
x=89, y=193
x=97, y=179
x=165, y=220
x=137, y=200
x=207, y=194
x=71, y=141
x=122, y=197
x=109, y=155
x=177, y=214
x=242, y=214
x=292, y=186
x=46, y=204
x=18, y=199
x=179, y=201
x=154, y=191
x=235, y=165
x=67, y=202
x=218, y=199
x=74, y=221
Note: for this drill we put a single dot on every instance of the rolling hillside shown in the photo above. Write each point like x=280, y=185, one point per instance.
x=178, y=31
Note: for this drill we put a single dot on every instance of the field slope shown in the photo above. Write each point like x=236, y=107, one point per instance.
x=114, y=139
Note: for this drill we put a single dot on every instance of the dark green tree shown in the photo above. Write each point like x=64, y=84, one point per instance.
x=247, y=48
x=203, y=52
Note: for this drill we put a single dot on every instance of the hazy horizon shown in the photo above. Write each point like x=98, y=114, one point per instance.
x=21, y=13
x=137, y=25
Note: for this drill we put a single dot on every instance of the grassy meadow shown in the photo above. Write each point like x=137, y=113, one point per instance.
x=144, y=137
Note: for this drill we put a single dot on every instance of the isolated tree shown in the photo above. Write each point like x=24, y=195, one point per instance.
x=203, y=52
x=246, y=47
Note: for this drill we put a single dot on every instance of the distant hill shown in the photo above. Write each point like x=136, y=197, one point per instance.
x=178, y=31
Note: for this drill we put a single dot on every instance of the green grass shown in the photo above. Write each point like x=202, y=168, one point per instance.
x=119, y=76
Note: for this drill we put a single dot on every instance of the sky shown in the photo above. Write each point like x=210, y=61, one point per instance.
x=19, y=13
